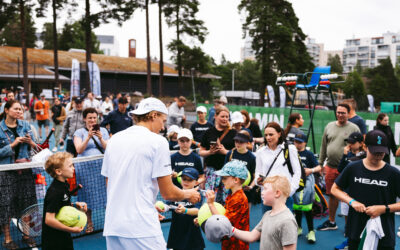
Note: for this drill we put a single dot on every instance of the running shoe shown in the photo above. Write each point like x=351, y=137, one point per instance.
x=327, y=225
x=299, y=231
x=343, y=245
x=311, y=237
x=54, y=149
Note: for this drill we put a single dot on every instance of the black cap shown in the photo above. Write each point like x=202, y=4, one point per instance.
x=123, y=100
x=78, y=100
x=355, y=137
x=300, y=137
x=377, y=142
x=241, y=137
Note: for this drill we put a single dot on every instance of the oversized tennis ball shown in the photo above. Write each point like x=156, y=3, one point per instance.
x=247, y=181
x=205, y=213
x=160, y=205
x=179, y=177
x=71, y=217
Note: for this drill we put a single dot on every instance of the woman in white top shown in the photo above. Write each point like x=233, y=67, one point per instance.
x=107, y=106
x=273, y=154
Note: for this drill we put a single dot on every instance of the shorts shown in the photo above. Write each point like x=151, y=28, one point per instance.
x=121, y=243
x=330, y=177
x=45, y=123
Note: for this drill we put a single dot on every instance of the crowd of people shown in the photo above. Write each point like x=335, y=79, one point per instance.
x=218, y=155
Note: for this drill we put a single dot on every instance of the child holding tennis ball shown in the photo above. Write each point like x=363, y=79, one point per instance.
x=233, y=174
x=183, y=233
x=56, y=235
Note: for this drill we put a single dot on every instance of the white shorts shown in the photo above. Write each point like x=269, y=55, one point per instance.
x=121, y=243
x=344, y=208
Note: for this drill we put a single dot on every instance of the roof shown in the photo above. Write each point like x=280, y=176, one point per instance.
x=41, y=62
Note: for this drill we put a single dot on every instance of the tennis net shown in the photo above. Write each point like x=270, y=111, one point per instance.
x=25, y=184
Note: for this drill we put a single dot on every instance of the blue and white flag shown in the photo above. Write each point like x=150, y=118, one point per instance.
x=75, y=78
x=271, y=95
x=94, y=74
x=282, y=97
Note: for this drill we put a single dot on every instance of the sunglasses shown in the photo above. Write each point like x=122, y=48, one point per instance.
x=341, y=113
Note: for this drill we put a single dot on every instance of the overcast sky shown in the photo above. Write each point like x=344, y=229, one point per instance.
x=329, y=22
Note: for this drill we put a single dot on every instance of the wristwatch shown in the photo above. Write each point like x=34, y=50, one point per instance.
x=387, y=209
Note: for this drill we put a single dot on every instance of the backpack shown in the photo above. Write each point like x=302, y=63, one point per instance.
x=303, y=200
x=303, y=177
x=320, y=205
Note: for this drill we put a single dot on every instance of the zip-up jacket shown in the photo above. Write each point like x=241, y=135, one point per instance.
x=73, y=122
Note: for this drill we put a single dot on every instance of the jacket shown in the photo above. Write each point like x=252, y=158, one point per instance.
x=6, y=152
x=73, y=122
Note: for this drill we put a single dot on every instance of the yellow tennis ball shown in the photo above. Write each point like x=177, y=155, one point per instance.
x=247, y=181
x=205, y=213
x=160, y=205
x=179, y=177
x=71, y=217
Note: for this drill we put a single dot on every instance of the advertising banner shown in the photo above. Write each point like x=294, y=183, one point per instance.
x=75, y=78
x=94, y=74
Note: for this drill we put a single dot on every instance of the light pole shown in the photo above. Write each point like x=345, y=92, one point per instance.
x=194, y=92
x=233, y=79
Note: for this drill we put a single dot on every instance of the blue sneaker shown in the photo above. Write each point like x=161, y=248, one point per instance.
x=327, y=225
x=343, y=245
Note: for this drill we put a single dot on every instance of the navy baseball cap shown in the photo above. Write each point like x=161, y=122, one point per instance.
x=355, y=137
x=191, y=172
x=78, y=100
x=241, y=137
x=377, y=142
x=300, y=137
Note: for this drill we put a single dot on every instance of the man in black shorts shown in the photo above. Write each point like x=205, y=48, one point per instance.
x=371, y=187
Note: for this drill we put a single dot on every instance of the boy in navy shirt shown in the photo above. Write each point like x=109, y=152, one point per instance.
x=183, y=233
x=201, y=126
x=185, y=158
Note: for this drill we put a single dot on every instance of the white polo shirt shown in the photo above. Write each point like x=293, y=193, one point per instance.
x=133, y=160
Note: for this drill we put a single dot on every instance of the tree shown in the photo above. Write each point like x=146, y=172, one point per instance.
x=148, y=59
x=354, y=88
x=335, y=63
x=73, y=36
x=277, y=39
x=11, y=35
x=160, y=37
x=181, y=14
x=248, y=75
x=47, y=36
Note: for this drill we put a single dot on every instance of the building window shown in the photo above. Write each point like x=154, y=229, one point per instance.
x=398, y=50
x=378, y=40
x=396, y=39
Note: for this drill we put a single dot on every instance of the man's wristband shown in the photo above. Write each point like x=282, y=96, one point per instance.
x=312, y=170
x=74, y=205
x=351, y=201
x=387, y=209
x=185, y=211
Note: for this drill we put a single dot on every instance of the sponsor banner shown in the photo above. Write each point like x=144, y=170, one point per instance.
x=75, y=78
x=94, y=74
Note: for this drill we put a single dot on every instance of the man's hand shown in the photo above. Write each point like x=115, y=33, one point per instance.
x=375, y=211
x=160, y=217
x=193, y=194
x=358, y=206
x=346, y=149
x=174, y=174
x=76, y=230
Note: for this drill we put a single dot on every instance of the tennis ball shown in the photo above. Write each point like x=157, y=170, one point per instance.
x=205, y=213
x=247, y=181
x=160, y=205
x=71, y=217
x=179, y=177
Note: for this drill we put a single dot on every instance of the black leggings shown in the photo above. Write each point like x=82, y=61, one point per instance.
x=309, y=218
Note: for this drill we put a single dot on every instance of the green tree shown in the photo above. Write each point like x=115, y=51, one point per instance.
x=248, y=75
x=47, y=36
x=224, y=70
x=277, y=39
x=181, y=15
x=354, y=88
x=335, y=63
x=73, y=36
x=378, y=87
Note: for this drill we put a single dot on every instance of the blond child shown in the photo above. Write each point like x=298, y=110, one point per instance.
x=278, y=228
x=56, y=235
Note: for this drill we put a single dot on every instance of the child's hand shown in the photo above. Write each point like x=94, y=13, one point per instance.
x=346, y=149
x=161, y=217
x=181, y=209
x=76, y=230
x=81, y=206
x=196, y=222
x=174, y=174
x=210, y=195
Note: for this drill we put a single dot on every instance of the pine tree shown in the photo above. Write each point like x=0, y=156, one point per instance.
x=73, y=36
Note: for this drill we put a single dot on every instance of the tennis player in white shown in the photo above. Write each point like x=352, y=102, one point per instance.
x=137, y=164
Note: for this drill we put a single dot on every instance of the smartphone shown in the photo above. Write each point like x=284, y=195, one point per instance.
x=213, y=143
x=96, y=127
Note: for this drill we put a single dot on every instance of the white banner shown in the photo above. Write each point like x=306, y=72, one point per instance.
x=282, y=97
x=371, y=103
x=75, y=78
x=271, y=95
x=94, y=74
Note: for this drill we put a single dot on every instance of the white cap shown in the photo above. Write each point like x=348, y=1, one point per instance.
x=185, y=133
x=99, y=97
x=173, y=129
x=237, y=117
x=201, y=109
x=223, y=99
x=150, y=104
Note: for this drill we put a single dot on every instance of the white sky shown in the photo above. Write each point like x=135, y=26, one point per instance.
x=329, y=22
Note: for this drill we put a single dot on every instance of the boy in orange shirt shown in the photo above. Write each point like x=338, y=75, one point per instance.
x=42, y=114
x=234, y=173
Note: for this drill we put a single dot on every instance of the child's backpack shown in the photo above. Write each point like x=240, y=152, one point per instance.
x=320, y=205
x=303, y=199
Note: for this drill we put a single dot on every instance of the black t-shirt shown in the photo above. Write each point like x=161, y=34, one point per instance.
x=173, y=145
x=217, y=160
x=255, y=130
x=16, y=148
x=379, y=187
x=57, y=196
x=56, y=110
x=308, y=159
x=179, y=162
x=198, y=130
x=183, y=233
x=248, y=159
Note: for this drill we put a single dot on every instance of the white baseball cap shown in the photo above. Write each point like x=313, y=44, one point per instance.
x=237, y=117
x=173, y=129
x=150, y=104
x=185, y=133
x=201, y=109
x=223, y=99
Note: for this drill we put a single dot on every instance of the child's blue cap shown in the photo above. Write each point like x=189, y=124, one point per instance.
x=191, y=172
x=234, y=168
x=300, y=137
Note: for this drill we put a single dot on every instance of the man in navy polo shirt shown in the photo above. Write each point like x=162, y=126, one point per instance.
x=118, y=119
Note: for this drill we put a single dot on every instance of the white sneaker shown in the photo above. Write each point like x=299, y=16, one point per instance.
x=61, y=147
x=54, y=149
